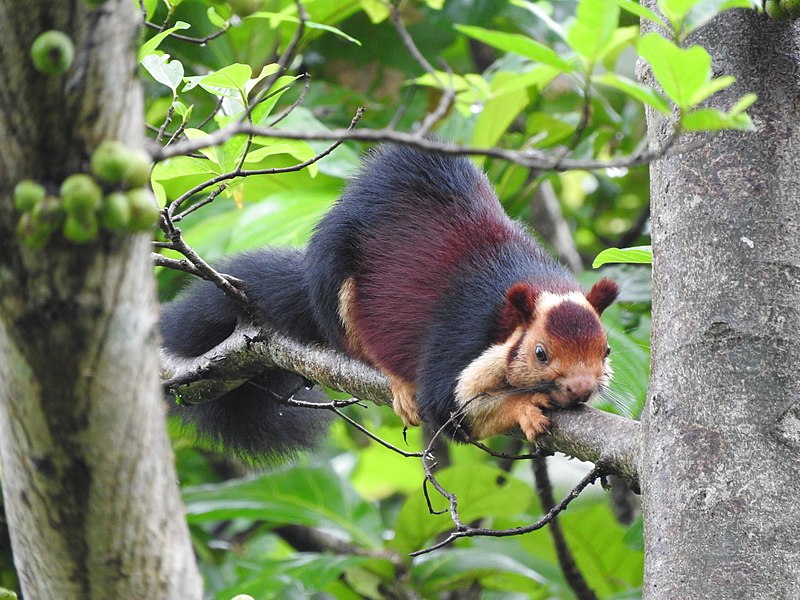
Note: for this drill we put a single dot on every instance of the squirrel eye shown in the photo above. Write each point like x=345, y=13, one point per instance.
x=608, y=350
x=541, y=355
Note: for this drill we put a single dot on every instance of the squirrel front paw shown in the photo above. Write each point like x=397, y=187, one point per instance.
x=522, y=410
x=532, y=421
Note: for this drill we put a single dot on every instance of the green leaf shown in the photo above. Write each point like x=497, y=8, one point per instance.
x=291, y=577
x=281, y=219
x=438, y=572
x=313, y=497
x=538, y=77
x=712, y=87
x=637, y=254
x=183, y=111
x=542, y=16
x=640, y=92
x=675, y=11
x=209, y=152
x=215, y=18
x=266, y=71
x=177, y=175
x=593, y=29
x=743, y=104
x=643, y=12
x=682, y=73
x=233, y=77
x=281, y=17
x=451, y=81
x=165, y=71
x=376, y=10
x=622, y=38
x=298, y=149
x=150, y=45
x=518, y=44
x=498, y=112
x=629, y=338
x=548, y=130
x=711, y=119
x=149, y=7
x=597, y=540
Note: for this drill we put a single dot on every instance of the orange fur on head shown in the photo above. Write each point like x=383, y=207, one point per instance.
x=555, y=355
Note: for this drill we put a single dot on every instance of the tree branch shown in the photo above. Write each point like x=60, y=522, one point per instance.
x=528, y=158
x=583, y=432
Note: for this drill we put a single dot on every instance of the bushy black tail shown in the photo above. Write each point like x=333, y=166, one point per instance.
x=253, y=419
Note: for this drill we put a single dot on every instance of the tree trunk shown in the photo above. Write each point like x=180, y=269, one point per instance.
x=720, y=469
x=87, y=474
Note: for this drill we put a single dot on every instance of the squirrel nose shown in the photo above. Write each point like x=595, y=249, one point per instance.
x=579, y=387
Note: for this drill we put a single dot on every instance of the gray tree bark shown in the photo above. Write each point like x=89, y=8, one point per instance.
x=89, y=485
x=720, y=465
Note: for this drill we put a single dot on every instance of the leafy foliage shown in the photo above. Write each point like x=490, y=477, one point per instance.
x=546, y=78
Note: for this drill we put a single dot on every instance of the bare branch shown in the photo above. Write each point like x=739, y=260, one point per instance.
x=528, y=158
x=448, y=91
x=467, y=531
x=187, y=38
x=583, y=432
x=567, y=562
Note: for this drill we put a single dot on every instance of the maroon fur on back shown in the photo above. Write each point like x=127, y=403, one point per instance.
x=602, y=294
x=407, y=264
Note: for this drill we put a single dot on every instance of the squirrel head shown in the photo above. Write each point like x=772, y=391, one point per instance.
x=560, y=347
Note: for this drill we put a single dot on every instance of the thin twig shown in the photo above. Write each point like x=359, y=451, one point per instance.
x=567, y=562
x=296, y=103
x=528, y=158
x=190, y=39
x=207, y=200
x=448, y=91
x=165, y=124
x=585, y=116
x=210, y=116
x=284, y=60
x=467, y=531
x=175, y=204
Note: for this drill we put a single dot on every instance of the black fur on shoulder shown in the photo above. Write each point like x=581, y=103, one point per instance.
x=465, y=324
x=253, y=419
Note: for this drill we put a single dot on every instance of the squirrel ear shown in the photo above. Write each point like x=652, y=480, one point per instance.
x=522, y=298
x=602, y=294
x=518, y=308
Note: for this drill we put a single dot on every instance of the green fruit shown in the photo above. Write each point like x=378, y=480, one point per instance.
x=49, y=212
x=110, y=161
x=32, y=234
x=144, y=211
x=245, y=8
x=81, y=195
x=137, y=169
x=52, y=52
x=790, y=7
x=26, y=194
x=115, y=213
x=775, y=11
x=81, y=230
